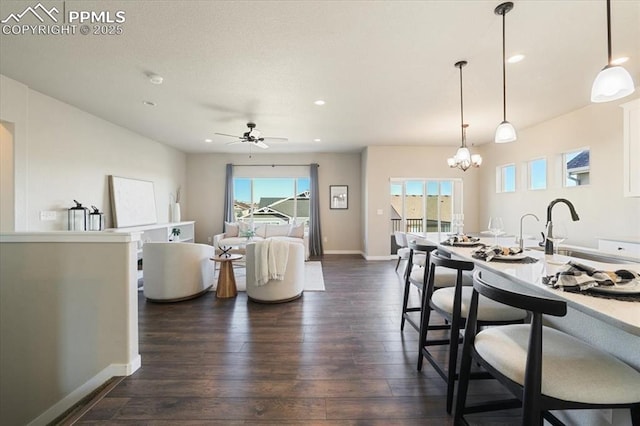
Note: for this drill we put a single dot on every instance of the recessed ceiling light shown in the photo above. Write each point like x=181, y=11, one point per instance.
x=149, y=103
x=319, y=102
x=208, y=140
x=619, y=61
x=155, y=79
x=317, y=140
x=515, y=59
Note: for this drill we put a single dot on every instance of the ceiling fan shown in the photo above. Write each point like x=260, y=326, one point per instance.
x=253, y=136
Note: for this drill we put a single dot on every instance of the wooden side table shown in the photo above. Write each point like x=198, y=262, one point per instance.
x=226, y=279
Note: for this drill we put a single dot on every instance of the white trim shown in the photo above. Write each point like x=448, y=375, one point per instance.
x=343, y=252
x=378, y=257
x=70, y=237
x=89, y=386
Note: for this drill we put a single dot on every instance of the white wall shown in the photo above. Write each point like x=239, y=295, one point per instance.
x=603, y=210
x=385, y=162
x=68, y=320
x=341, y=228
x=63, y=153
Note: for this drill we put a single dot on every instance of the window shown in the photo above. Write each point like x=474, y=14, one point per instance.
x=271, y=200
x=506, y=178
x=424, y=205
x=575, y=165
x=538, y=174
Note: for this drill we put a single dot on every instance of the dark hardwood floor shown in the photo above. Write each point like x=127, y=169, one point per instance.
x=329, y=358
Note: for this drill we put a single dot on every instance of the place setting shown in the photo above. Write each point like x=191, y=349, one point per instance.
x=458, y=238
x=498, y=253
x=575, y=277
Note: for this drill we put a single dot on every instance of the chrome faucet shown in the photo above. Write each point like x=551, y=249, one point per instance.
x=548, y=248
x=521, y=241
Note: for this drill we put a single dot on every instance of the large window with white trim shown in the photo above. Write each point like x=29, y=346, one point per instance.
x=424, y=205
x=271, y=200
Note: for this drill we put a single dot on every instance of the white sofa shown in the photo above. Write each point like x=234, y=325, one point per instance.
x=277, y=291
x=233, y=236
x=176, y=271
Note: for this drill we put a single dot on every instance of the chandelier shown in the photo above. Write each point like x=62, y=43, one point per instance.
x=463, y=158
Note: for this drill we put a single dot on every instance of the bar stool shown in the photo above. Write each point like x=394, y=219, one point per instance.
x=414, y=276
x=452, y=303
x=544, y=368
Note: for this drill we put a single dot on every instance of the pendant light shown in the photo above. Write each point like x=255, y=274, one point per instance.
x=505, y=132
x=613, y=82
x=463, y=158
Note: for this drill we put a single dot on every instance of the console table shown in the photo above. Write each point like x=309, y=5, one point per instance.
x=160, y=232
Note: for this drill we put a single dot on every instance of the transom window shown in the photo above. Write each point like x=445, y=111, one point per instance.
x=506, y=178
x=576, y=167
x=538, y=173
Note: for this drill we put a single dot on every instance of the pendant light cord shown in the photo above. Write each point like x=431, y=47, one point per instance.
x=609, y=32
x=504, y=70
x=464, y=142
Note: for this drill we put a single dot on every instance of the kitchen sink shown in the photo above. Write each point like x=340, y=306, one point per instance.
x=590, y=255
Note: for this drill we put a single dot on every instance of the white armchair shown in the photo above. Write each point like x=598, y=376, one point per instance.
x=276, y=291
x=176, y=271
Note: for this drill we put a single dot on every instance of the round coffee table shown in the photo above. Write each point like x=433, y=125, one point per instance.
x=226, y=280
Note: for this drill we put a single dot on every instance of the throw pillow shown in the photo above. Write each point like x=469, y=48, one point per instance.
x=277, y=230
x=231, y=229
x=297, y=231
x=261, y=231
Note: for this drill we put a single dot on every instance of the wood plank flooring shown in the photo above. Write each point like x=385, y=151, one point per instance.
x=329, y=358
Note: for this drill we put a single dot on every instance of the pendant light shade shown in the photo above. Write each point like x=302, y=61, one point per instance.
x=463, y=158
x=505, y=132
x=613, y=82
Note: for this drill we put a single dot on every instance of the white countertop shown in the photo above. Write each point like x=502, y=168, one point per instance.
x=621, y=314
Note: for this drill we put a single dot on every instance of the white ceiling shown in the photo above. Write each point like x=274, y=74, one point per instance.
x=385, y=68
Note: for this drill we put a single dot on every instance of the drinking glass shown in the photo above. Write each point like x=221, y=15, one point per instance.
x=495, y=227
x=556, y=233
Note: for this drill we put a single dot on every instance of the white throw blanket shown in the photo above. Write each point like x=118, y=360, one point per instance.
x=271, y=260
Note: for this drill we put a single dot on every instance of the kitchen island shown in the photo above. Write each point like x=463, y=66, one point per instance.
x=613, y=325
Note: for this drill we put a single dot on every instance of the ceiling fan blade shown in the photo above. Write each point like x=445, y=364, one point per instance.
x=261, y=144
x=275, y=139
x=234, y=142
x=224, y=134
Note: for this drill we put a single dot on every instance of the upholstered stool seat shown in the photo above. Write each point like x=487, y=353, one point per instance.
x=488, y=310
x=544, y=369
x=444, y=277
x=452, y=303
x=571, y=369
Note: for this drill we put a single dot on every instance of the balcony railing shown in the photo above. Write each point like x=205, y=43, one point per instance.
x=415, y=225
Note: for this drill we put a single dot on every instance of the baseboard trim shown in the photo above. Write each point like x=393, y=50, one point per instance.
x=343, y=252
x=60, y=407
x=380, y=257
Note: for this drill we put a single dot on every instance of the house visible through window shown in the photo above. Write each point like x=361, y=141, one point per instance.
x=424, y=205
x=576, y=167
x=271, y=200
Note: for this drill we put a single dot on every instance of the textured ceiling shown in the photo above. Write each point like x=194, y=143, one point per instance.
x=385, y=68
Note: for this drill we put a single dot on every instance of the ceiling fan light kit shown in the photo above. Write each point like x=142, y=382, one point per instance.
x=463, y=158
x=253, y=137
x=613, y=82
x=505, y=132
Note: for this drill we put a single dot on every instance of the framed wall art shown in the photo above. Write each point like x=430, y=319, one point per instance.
x=339, y=197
